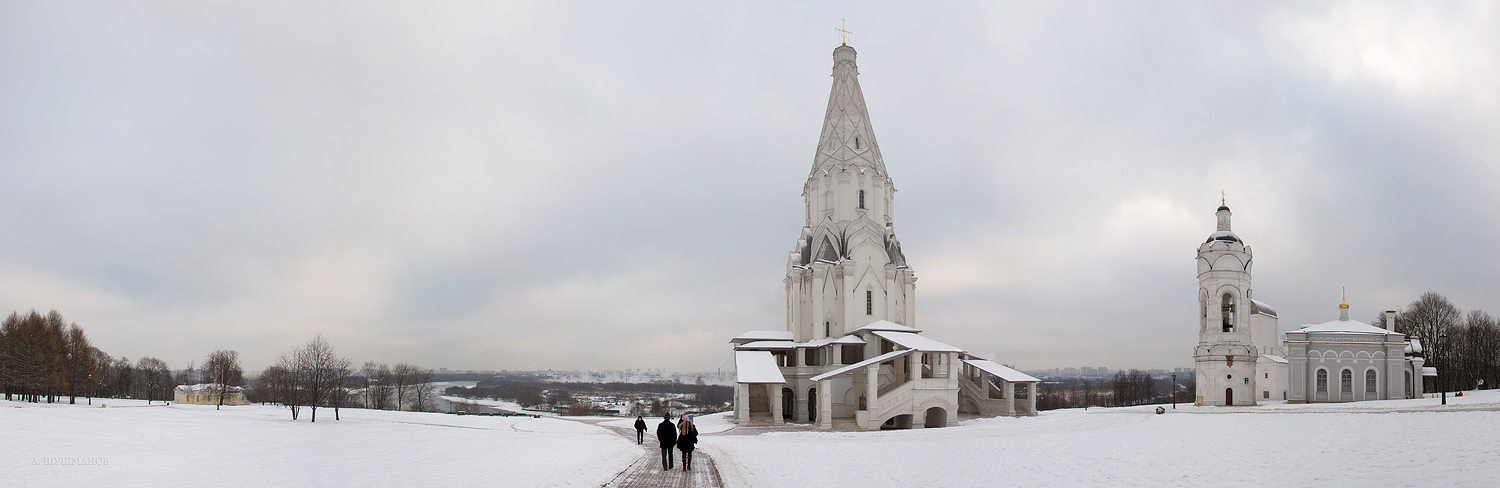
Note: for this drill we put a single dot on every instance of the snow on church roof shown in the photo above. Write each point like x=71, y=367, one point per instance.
x=886, y=325
x=1257, y=306
x=767, y=345
x=763, y=335
x=1343, y=327
x=875, y=360
x=916, y=342
x=1001, y=370
x=756, y=367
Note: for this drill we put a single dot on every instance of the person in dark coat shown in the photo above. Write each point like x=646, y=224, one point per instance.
x=640, y=430
x=667, y=434
x=687, y=436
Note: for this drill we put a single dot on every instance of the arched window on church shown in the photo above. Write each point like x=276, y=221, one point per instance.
x=1228, y=313
x=1346, y=381
x=861, y=199
x=1322, y=381
x=869, y=302
x=1370, y=382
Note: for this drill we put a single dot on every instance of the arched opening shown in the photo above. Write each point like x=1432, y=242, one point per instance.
x=936, y=417
x=1227, y=312
x=902, y=421
x=1228, y=397
x=788, y=404
x=812, y=404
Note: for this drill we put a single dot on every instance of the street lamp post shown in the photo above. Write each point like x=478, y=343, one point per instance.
x=1174, y=391
x=1442, y=364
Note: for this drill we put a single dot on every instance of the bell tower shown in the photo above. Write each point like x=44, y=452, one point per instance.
x=1225, y=356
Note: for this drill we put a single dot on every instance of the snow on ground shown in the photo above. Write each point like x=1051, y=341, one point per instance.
x=1390, y=443
x=256, y=445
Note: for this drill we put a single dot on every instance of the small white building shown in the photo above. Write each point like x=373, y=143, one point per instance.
x=1349, y=361
x=851, y=356
x=207, y=394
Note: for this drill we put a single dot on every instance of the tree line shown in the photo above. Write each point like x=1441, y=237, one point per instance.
x=1125, y=388
x=1471, y=357
x=315, y=376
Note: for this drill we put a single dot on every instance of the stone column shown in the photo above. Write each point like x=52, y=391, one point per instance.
x=1031, y=397
x=775, y=396
x=1008, y=390
x=872, y=386
x=825, y=404
x=914, y=365
x=741, y=403
x=799, y=403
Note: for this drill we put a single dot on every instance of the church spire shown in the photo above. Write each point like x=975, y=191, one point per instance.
x=847, y=140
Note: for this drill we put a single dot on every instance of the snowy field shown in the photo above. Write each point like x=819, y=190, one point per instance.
x=193, y=445
x=1388, y=443
x=1391, y=443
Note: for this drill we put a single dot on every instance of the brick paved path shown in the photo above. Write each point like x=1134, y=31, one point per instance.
x=646, y=472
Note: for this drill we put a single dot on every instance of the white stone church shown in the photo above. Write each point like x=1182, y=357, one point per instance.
x=1242, y=359
x=851, y=356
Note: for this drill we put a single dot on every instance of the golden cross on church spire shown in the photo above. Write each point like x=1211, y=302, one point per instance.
x=843, y=34
x=1223, y=200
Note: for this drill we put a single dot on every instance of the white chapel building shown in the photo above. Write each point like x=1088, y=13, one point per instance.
x=851, y=356
x=1242, y=358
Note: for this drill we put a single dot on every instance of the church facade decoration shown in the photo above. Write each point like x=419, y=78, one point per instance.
x=851, y=356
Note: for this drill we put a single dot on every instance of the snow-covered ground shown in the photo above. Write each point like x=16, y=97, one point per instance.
x=130, y=444
x=1390, y=443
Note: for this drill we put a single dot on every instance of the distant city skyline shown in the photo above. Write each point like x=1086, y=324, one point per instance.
x=523, y=186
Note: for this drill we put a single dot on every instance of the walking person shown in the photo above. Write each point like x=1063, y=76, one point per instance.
x=667, y=434
x=687, y=436
x=640, y=430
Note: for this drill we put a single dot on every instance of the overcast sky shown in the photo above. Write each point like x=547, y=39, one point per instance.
x=617, y=185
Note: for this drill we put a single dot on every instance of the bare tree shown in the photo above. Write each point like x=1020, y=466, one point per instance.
x=80, y=360
x=1430, y=316
x=155, y=378
x=321, y=372
x=222, y=367
x=424, y=394
x=403, y=377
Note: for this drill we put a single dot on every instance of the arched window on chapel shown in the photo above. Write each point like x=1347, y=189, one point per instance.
x=1228, y=313
x=1370, y=382
x=1346, y=381
x=1322, y=381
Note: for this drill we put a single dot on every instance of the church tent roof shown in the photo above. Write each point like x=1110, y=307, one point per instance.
x=766, y=345
x=1001, y=371
x=886, y=325
x=916, y=342
x=875, y=360
x=763, y=335
x=756, y=367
